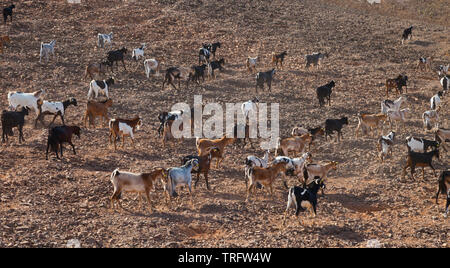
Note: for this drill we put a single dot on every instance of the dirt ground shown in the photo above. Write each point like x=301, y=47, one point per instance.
x=44, y=203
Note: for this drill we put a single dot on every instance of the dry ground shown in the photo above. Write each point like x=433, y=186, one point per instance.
x=46, y=203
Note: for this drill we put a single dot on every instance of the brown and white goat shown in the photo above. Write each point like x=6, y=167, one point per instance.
x=123, y=127
x=95, y=109
x=264, y=176
x=205, y=145
x=296, y=144
x=369, y=121
x=140, y=183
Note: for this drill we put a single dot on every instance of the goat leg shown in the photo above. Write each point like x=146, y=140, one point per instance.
x=73, y=147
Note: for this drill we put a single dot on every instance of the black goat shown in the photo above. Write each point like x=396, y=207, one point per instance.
x=332, y=125
x=420, y=160
x=198, y=72
x=264, y=77
x=217, y=64
x=116, y=56
x=214, y=47
x=325, y=92
x=407, y=34
x=444, y=188
x=304, y=198
x=8, y=11
x=60, y=134
x=11, y=119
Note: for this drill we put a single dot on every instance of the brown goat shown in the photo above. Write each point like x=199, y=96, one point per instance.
x=123, y=127
x=295, y=143
x=99, y=68
x=95, y=109
x=204, y=146
x=264, y=176
x=3, y=40
x=369, y=121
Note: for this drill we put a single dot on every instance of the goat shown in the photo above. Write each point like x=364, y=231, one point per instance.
x=180, y=176
x=436, y=100
x=204, y=54
x=320, y=170
x=445, y=82
x=116, y=56
x=204, y=145
x=123, y=127
x=304, y=198
x=398, y=83
x=332, y=125
x=47, y=49
x=53, y=108
x=400, y=115
x=99, y=68
x=20, y=99
x=167, y=131
x=250, y=106
x=264, y=176
x=442, y=135
x=204, y=164
x=213, y=65
x=384, y=145
x=278, y=58
x=314, y=59
x=98, y=85
x=197, y=73
x=420, y=160
x=369, y=121
x=104, y=38
x=168, y=116
x=11, y=119
x=177, y=73
x=444, y=188
x=420, y=145
x=392, y=105
x=264, y=77
x=213, y=48
x=424, y=64
x=443, y=69
x=59, y=135
x=296, y=144
x=135, y=182
x=407, y=34
x=251, y=63
x=138, y=52
x=8, y=11
x=325, y=92
x=429, y=117
x=294, y=166
x=254, y=161
x=151, y=66
x=95, y=109
x=3, y=40
x=315, y=132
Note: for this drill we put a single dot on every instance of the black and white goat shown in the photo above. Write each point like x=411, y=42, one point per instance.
x=97, y=85
x=304, y=198
x=394, y=105
x=436, y=100
x=407, y=34
x=445, y=82
x=384, y=145
x=204, y=53
x=420, y=145
x=54, y=108
x=12, y=119
x=325, y=92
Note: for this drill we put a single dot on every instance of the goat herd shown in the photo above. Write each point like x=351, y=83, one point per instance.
x=258, y=171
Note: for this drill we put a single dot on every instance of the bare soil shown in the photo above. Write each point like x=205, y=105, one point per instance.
x=44, y=203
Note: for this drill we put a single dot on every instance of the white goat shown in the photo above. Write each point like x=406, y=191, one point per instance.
x=180, y=176
x=102, y=39
x=20, y=99
x=46, y=49
x=429, y=117
x=387, y=105
x=385, y=144
x=398, y=116
x=151, y=66
x=251, y=63
x=138, y=52
x=250, y=106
